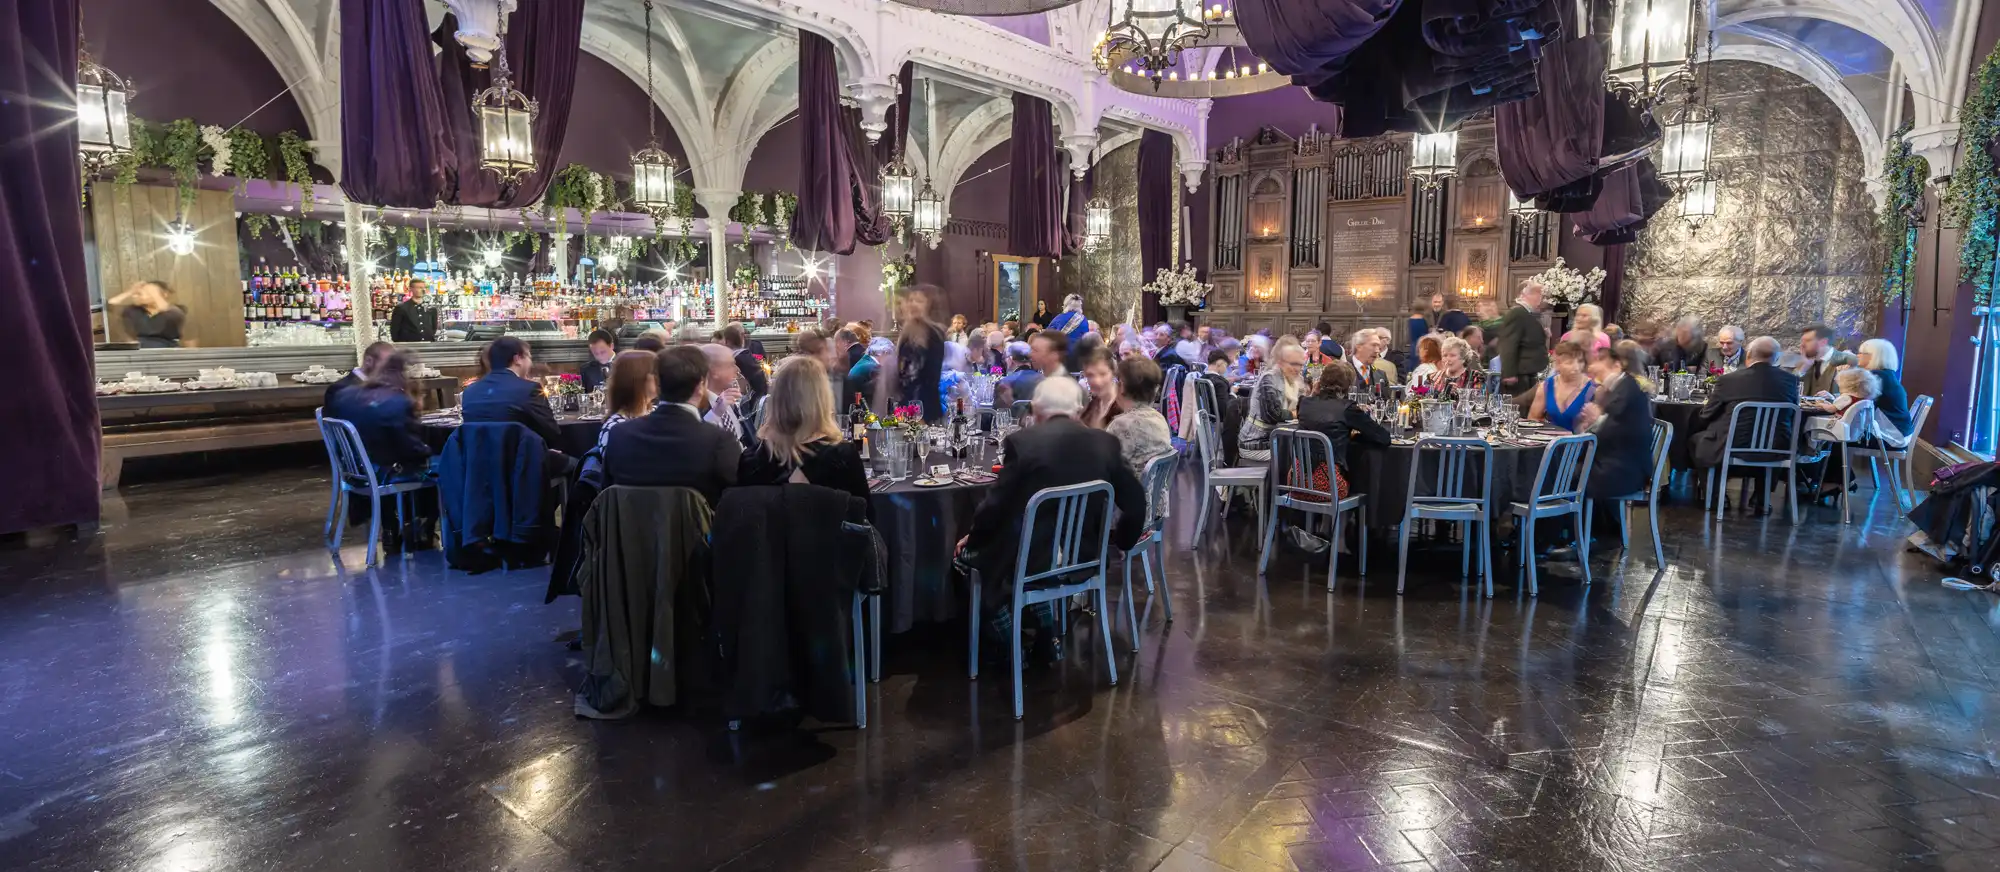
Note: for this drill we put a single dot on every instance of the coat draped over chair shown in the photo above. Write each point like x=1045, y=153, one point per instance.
x=646, y=599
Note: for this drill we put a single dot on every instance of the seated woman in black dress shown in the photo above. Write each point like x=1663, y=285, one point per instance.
x=799, y=440
x=1329, y=411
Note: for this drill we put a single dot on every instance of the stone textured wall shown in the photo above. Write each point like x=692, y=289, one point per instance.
x=1793, y=238
x=1108, y=279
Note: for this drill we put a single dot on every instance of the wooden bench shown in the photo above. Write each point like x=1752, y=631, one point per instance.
x=188, y=440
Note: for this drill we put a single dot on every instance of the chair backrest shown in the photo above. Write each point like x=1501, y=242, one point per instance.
x=1456, y=480
x=1920, y=411
x=1075, y=508
x=1565, y=468
x=351, y=465
x=1209, y=431
x=1206, y=402
x=1769, y=430
x=757, y=413
x=1169, y=382
x=1295, y=453
x=1663, y=441
x=1158, y=481
x=1023, y=412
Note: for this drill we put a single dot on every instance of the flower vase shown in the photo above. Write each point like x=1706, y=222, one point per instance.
x=1177, y=314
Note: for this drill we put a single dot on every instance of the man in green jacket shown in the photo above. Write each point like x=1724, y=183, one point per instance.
x=1524, y=345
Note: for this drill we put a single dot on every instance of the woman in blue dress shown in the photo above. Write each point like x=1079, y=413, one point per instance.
x=1561, y=398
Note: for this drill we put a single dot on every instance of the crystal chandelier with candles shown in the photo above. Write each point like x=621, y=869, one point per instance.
x=1434, y=157
x=1153, y=32
x=1096, y=223
x=506, y=121
x=103, y=126
x=1653, y=45
x=653, y=170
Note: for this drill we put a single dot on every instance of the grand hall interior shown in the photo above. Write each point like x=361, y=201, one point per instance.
x=867, y=435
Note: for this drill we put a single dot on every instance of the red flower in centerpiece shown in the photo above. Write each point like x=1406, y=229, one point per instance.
x=1715, y=370
x=571, y=377
x=1420, y=390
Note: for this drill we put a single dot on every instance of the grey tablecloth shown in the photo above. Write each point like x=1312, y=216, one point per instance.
x=921, y=527
x=1383, y=473
x=1681, y=415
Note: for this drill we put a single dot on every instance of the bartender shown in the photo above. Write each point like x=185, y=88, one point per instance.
x=412, y=321
x=150, y=314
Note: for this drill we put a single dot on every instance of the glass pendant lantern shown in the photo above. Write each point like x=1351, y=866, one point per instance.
x=506, y=121
x=1518, y=207
x=1685, y=144
x=653, y=170
x=899, y=191
x=103, y=124
x=1434, y=157
x=1096, y=223
x=1652, y=43
x=927, y=217
x=1698, y=203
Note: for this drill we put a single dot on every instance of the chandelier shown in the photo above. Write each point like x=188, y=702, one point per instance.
x=652, y=169
x=1698, y=203
x=899, y=191
x=180, y=237
x=988, y=7
x=1653, y=45
x=103, y=127
x=1096, y=223
x=1684, y=147
x=506, y=121
x=1434, y=157
x=1153, y=32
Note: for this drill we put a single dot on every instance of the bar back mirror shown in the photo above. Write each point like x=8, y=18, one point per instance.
x=1014, y=288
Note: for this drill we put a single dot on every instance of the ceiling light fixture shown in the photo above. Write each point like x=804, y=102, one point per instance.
x=653, y=170
x=506, y=121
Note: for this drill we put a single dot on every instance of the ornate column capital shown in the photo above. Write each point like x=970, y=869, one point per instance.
x=875, y=98
x=1079, y=146
x=717, y=202
x=1938, y=145
x=479, y=25
x=1191, y=171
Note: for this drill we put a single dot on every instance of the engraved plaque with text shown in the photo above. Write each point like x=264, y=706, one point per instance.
x=1365, y=249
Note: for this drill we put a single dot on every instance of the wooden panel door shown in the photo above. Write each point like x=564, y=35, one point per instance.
x=131, y=222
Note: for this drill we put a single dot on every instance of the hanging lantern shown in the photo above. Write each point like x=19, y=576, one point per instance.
x=506, y=121
x=1523, y=209
x=1096, y=223
x=180, y=237
x=1653, y=42
x=1698, y=203
x=1434, y=157
x=927, y=215
x=653, y=170
x=1155, y=31
x=103, y=127
x=1684, y=147
x=899, y=191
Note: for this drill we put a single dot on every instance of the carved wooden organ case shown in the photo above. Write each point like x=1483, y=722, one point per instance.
x=1319, y=228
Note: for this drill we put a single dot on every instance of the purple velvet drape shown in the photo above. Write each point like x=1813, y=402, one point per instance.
x=871, y=226
x=1310, y=41
x=825, y=220
x=392, y=117
x=544, y=40
x=1631, y=196
x=1076, y=218
x=1555, y=137
x=1612, y=293
x=48, y=449
x=1034, y=206
x=1156, y=215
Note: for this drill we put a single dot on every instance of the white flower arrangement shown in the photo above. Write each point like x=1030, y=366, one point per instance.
x=1568, y=287
x=1179, y=287
x=217, y=141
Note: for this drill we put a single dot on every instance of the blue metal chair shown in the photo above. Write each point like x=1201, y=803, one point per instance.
x=1457, y=495
x=354, y=473
x=1558, y=491
x=1215, y=475
x=1772, y=429
x=1070, y=555
x=1158, y=481
x=1295, y=453
x=1663, y=437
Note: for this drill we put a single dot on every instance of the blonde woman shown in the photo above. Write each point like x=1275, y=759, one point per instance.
x=799, y=443
x=1275, y=401
x=1879, y=356
x=1587, y=330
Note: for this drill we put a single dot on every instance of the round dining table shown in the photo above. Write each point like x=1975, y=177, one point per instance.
x=1681, y=414
x=579, y=433
x=921, y=527
x=1383, y=473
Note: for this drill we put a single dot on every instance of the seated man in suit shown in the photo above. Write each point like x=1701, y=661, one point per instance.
x=1758, y=382
x=723, y=402
x=1622, y=417
x=671, y=446
x=370, y=358
x=1822, y=361
x=505, y=394
x=1056, y=452
x=598, y=370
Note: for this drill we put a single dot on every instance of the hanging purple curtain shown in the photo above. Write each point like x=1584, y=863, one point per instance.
x=825, y=220
x=392, y=117
x=1156, y=214
x=1631, y=196
x=1555, y=137
x=1076, y=222
x=871, y=226
x=48, y=450
x=544, y=40
x=1613, y=289
x=1310, y=41
x=896, y=138
x=1034, y=205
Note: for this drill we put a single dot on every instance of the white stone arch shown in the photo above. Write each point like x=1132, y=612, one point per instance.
x=1897, y=24
x=290, y=45
x=744, y=115
x=985, y=127
x=840, y=21
x=684, y=115
x=1814, y=69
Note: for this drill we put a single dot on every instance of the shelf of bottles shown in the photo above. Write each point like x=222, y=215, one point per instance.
x=287, y=306
x=779, y=304
x=577, y=308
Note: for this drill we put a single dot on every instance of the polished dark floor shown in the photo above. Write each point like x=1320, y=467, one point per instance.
x=198, y=687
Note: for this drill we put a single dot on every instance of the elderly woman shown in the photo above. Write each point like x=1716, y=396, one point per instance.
x=1457, y=366
x=1142, y=431
x=1071, y=321
x=1274, y=401
x=1853, y=417
x=1329, y=411
x=1587, y=330
x=1893, y=405
x=1427, y=357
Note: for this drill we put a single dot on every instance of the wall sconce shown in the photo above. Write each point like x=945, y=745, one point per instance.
x=1268, y=230
x=1479, y=291
x=1361, y=293
x=1479, y=221
x=1266, y=293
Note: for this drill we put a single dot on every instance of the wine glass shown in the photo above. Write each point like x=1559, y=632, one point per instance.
x=923, y=447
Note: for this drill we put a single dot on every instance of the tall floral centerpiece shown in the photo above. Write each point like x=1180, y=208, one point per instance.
x=1179, y=290
x=1567, y=288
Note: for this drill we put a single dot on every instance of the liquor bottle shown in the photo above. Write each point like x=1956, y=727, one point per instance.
x=959, y=425
x=857, y=423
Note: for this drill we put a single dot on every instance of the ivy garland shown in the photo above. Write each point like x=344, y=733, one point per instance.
x=298, y=158
x=575, y=187
x=783, y=205
x=249, y=158
x=1904, y=174
x=685, y=247
x=180, y=149
x=1974, y=196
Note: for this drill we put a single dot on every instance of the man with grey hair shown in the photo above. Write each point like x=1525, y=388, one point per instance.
x=722, y=396
x=1057, y=452
x=1021, y=379
x=1727, y=352
x=1522, y=342
x=1364, y=352
x=1757, y=382
x=1684, y=348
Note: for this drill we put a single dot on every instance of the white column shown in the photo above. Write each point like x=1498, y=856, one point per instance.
x=559, y=253
x=717, y=204
x=362, y=304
